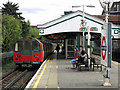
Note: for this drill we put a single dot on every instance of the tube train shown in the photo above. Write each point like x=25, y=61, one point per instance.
x=31, y=51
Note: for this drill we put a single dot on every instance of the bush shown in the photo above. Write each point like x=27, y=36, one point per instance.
x=11, y=31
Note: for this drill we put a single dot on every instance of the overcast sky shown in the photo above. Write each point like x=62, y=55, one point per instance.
x=42, y=11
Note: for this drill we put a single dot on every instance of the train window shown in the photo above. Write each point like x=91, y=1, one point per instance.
x=35, y=46
x=27, y=45
x=19, y=46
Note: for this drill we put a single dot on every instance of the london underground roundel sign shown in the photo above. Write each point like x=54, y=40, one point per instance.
x=104, y=48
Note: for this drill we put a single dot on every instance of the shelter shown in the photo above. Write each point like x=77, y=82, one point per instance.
x=69, y=26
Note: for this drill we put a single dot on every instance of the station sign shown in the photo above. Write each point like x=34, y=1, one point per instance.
x=83, y=29
x=41, y=31
x=93, y=29
x=104, y=46
x=116, y=31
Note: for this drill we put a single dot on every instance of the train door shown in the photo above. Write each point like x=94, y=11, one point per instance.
x=27, y=52
x=70, y=45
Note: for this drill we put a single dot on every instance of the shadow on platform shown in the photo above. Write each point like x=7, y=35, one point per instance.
x=60, y=56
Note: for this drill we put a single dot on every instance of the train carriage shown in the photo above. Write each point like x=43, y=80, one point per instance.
x=31, y=51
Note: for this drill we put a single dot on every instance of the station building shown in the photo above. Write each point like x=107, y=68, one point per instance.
x=68, y=28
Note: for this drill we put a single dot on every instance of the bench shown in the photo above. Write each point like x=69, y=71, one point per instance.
x=82, y=64
x=95, y=63
x=79, y=65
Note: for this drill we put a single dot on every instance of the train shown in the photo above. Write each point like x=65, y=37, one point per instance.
x=31, y=51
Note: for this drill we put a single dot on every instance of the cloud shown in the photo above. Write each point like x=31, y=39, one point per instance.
x=41, y=11
x=32, y=10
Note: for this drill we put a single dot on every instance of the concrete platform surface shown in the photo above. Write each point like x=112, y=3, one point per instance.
x=57, y=74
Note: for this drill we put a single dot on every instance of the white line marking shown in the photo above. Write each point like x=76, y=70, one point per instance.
x=58, y=88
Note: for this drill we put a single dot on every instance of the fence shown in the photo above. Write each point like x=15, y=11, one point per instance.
x=7, y=57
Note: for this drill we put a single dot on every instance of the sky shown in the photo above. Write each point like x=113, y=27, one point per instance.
x=42, y=11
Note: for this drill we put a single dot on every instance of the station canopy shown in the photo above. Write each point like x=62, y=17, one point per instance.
x=72, y=23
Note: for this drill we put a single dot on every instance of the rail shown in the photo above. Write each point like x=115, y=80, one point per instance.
x=15, y=80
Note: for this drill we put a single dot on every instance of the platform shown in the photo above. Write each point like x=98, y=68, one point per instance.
x=57, y=73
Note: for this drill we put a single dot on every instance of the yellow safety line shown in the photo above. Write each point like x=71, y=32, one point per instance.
x=115, y=63
x=38, y=80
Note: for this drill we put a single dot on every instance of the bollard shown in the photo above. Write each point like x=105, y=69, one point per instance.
x=107, y=77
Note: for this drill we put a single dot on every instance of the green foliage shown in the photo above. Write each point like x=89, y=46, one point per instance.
x=8, y=66
x=11, y=31
x=34, y=32
x=14, y=27
x=25, y=28
x=11, y=8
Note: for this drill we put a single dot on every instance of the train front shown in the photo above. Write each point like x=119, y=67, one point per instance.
x=28, y=51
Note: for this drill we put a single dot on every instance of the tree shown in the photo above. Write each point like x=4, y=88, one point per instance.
x=11, y=8
x=11, y=31
x=34, y=32
x=25, y=28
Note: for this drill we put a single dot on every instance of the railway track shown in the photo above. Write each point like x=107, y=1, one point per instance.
x=9, y=80
x=9, y=72
x=17, y=79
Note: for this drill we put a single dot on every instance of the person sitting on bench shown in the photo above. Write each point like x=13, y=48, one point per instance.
x=77, y=54
x=83, y=58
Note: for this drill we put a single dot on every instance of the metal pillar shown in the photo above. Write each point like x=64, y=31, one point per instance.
x=83, y=40
x=109, y=54
x=83, y=24
x=109, y=43
x=88, y=48
x=65, y=48
x=108, y=34
x=78, y=41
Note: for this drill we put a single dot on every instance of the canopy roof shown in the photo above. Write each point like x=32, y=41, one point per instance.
x=72, y=23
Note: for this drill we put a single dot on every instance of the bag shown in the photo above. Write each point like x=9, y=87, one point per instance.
x=80, y=60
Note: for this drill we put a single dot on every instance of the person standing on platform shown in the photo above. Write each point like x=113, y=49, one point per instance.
x=77, y=54
x=57, y=49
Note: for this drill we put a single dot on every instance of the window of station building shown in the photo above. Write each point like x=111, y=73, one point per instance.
x=35, y=46
x=118, y=7
x=19, y=46
x=71, y=42
x=71, y=48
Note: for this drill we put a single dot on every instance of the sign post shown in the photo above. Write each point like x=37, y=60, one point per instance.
x=83, y=29
x=104, y=41
x=106, y=46
x=89, y=36
x=106, y=53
